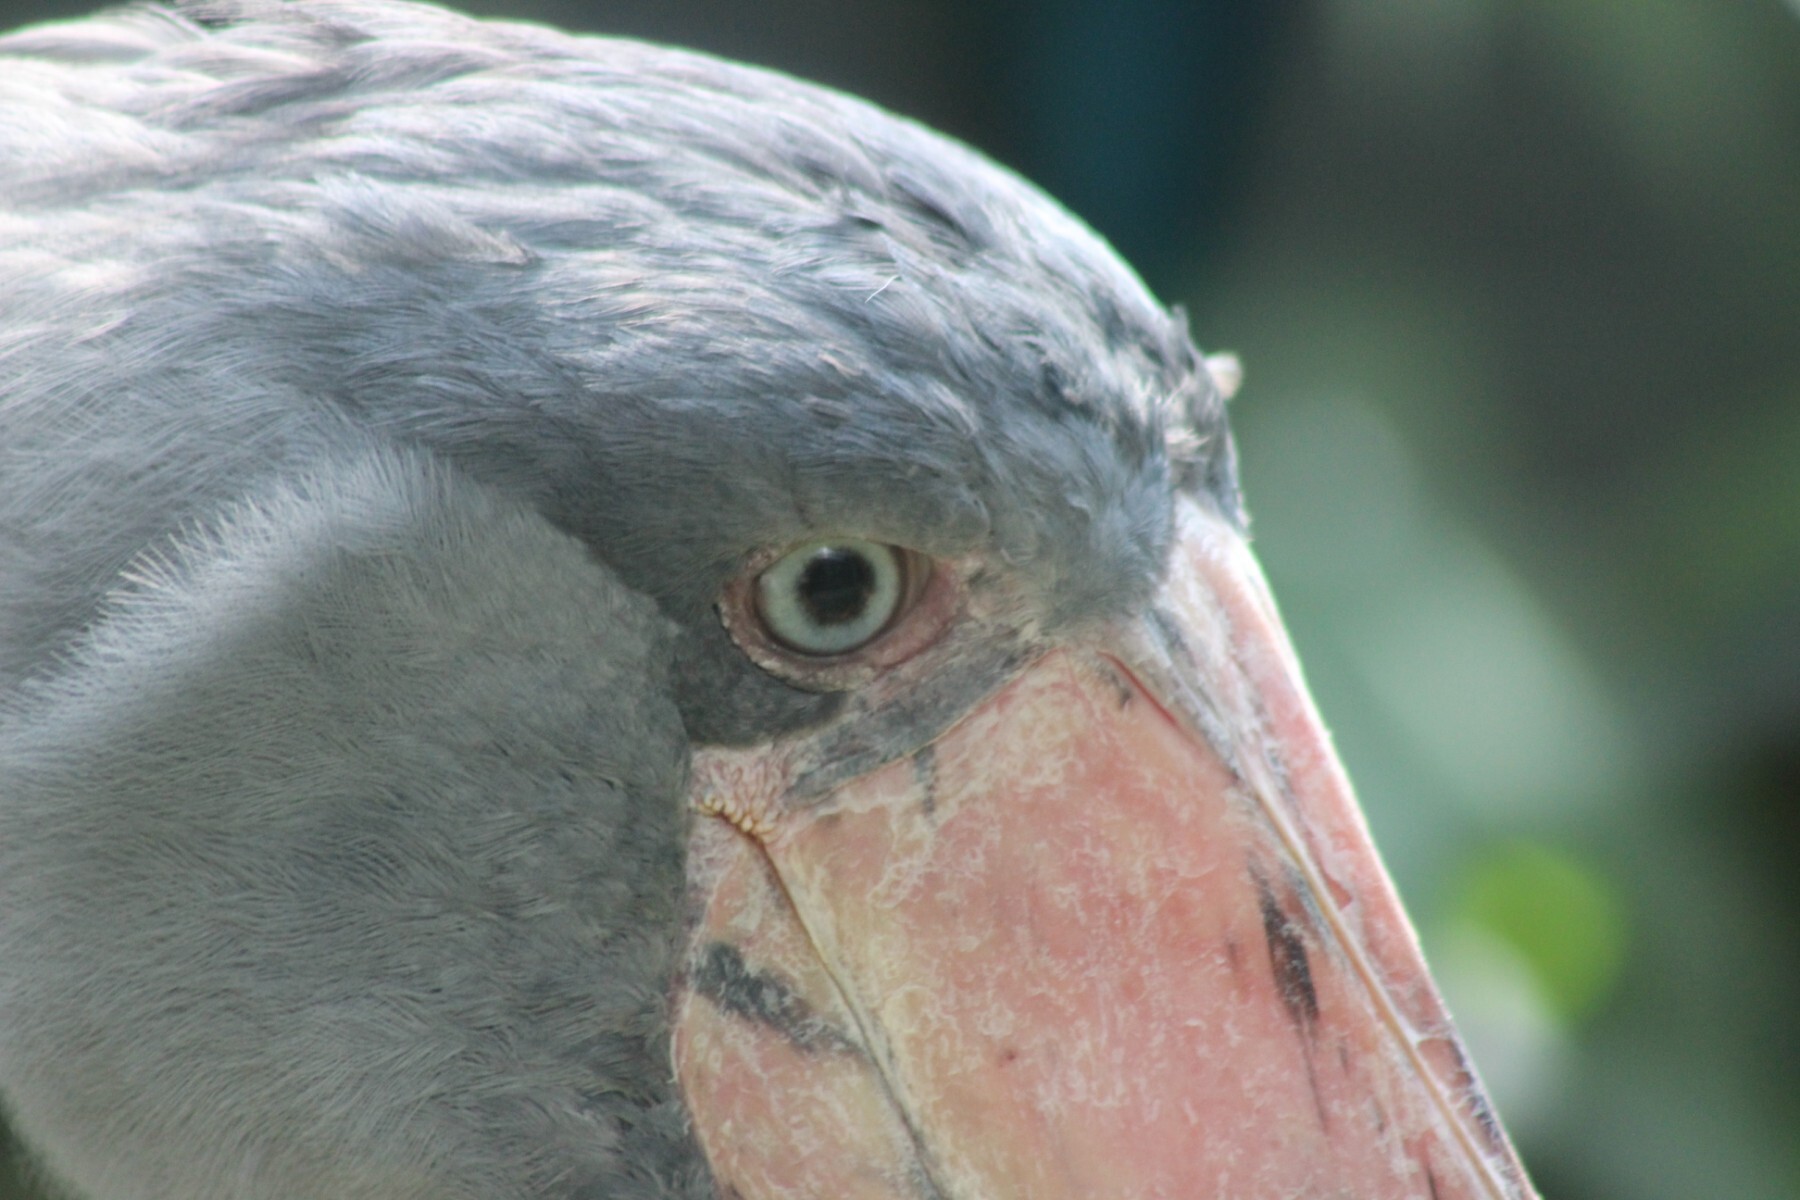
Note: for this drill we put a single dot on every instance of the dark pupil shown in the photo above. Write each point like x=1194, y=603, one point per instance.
x=836, y=585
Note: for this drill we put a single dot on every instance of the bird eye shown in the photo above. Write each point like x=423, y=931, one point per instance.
x=832, y=597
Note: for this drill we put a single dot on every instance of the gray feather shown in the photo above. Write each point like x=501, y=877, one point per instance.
x=334, y=824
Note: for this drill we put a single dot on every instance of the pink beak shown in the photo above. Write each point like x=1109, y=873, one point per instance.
x=1119, y=932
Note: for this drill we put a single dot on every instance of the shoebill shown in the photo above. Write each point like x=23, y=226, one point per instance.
x=583, y=621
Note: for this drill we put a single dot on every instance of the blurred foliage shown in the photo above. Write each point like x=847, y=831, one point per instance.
x=1559, y=915
x=1517, y=283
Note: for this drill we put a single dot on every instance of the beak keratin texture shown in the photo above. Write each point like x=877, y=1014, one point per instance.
x=1118, y=933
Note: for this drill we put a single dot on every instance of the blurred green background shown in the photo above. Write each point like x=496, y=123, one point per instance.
x=1517, y=284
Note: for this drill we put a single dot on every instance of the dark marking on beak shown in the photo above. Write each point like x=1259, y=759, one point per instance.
x=924, y=764
x=922, y=1185
x=1293, y=979
x=1478, y=1102
x=1287, y=957
x=1169, y=629
x=1121, y=685
x=1431, y=1181
x=874, y=732
x=723, y=977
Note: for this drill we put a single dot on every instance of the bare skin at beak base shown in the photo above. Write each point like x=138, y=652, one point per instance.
x=1119, y=932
